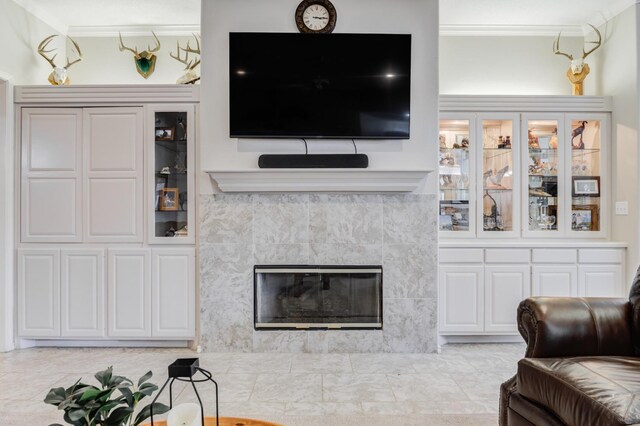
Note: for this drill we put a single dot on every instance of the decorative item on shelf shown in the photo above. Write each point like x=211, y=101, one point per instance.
x=182, y=232
x=146, y=60
x=442, y=139
x=585, y=186
x=533, y=141
x=492, y=181
x=578, y=131
x=501, y=142
x=492, y=220
x=182, y=199
x=316, y=16
x=58, y=76
x=507, y=142
x=462, y=141
x=166, y=170
x=169, y=199
x=170, y=232
x=190, y=76
x=579, y=69
x=553, y=142
x=181, y=131
x=184, y=370
x=165, y=134
x=90, y=405
x=585, y=217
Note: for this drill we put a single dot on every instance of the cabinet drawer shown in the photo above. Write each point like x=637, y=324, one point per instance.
x=461, y=256
x=601, y=255
x=507, y=256
x=554, y=256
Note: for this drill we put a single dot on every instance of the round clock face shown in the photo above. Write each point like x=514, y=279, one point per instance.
x=316, y=16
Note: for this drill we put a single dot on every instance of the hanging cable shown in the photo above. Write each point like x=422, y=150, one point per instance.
x=306, y=148
x=354, y=145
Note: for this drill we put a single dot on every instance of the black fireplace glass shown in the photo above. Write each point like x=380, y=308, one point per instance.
x=323, y=297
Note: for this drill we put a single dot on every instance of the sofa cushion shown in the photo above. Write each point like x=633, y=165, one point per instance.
x=584, y=390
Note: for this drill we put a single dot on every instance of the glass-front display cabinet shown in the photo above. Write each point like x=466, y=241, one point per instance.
x=170, y=174
x=534, y=175
x=456, y=168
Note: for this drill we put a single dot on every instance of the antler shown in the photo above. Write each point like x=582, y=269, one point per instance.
x=189, y=63
x=556, y=48
x=123, y=47
x=597, y=43
x=42, y=52
x=75, y=45
x=157, y=42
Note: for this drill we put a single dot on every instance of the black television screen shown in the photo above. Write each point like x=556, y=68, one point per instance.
x=320, y=85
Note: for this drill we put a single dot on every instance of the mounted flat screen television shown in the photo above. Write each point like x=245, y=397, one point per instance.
x=319, y=85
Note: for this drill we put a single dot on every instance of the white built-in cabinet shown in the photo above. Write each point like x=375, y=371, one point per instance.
x=105, y=250
x=480, y=288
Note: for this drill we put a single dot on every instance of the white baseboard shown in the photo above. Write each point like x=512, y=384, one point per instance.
x=28, y=343
x=443, y=340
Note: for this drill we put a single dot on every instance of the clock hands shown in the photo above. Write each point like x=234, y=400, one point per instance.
x=318, y=17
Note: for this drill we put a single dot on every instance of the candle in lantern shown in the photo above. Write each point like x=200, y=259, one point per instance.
x=187, y=414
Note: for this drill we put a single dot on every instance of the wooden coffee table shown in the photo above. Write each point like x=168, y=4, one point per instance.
x=224, y=421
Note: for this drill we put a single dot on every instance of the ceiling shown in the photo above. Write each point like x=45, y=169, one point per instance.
x=455, y=15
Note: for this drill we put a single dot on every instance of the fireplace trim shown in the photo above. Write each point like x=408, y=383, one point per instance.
x=312, y=269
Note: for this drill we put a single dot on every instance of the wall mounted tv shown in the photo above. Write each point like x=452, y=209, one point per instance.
x=319, y=85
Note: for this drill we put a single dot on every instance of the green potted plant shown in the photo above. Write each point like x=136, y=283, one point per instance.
x=88, y=405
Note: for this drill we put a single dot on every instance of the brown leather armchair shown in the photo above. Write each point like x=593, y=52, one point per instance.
x=581, y=365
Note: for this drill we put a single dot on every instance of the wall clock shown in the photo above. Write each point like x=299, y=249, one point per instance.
x=316, y=16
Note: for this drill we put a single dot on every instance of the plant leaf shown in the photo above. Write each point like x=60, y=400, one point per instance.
x=144, y=378
x=55, y=396
x=104, y=376
x=145, y=413
x=118, y=416
x=90, y=394
x=77, y=414
x=128, y=395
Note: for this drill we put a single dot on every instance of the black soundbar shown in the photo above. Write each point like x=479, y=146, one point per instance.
x=313, y=161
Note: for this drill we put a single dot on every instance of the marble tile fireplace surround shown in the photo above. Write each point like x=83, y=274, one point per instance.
x=238, y=231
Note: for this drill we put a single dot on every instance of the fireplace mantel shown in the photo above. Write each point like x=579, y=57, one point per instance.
x=318, y=180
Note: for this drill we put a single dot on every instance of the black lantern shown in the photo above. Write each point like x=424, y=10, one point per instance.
x=183, y=370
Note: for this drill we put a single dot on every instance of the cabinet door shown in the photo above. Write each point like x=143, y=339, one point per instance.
x=129, y=289
x=82, y=292
x=173, y=292
x=461, y=299
x=51, y=178
x=554, y=280
x=39, y=293
x=114, y=172
x=505, y=288
x=600, y=281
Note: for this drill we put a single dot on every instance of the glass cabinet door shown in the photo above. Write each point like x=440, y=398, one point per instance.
x=497, y=203
x=456, y=146
x=584, y=135
x=171, y=167
x=543, y=171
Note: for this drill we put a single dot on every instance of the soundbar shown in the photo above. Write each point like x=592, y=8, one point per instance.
x=313, y=161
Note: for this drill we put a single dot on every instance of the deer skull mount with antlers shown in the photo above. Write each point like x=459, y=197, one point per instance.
x=145, y=60
x=190, y=76
x=579, y=69
x=58, y=76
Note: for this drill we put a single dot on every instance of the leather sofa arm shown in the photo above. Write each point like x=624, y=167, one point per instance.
x=573, y=326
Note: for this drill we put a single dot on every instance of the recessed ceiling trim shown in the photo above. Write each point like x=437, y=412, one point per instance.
x=132, y=30
x=511, y=30
x=42, y=15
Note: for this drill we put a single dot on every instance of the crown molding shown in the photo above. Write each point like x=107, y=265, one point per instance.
x=510, y=30
x=42, y=15
x=132, y=30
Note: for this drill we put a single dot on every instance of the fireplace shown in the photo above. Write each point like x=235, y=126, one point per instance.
x=317, y=297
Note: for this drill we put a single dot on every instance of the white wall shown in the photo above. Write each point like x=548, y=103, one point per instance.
x=6, y=216
x=515, y=65
x=20, y=34
x=617, y=64
x=418, y=17
x=103, y=63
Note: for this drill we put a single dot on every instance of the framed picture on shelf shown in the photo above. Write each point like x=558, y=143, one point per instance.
x=586, y=186
x=462, y=141
x=169, y=199
x=165, y=134
x=585, y=217
x=454, y=215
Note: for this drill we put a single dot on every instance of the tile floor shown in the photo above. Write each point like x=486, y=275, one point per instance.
x=462, y=379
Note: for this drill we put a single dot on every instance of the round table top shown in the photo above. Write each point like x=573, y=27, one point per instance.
x=224, y=421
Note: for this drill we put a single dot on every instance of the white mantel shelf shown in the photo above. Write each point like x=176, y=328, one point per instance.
x=318, y=180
